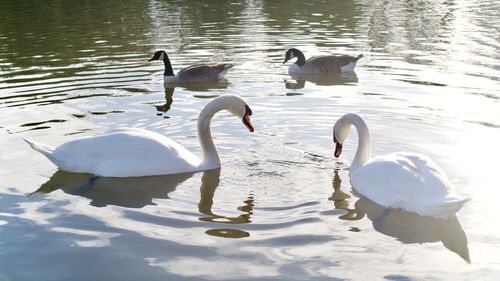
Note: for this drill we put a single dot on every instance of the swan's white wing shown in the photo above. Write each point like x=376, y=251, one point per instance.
x=388, y=180
x=433, y=174
x=409, y=181
x=124, y=154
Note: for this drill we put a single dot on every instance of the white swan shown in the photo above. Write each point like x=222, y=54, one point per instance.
x=191, y=74
x=137, y=152
x=409, y=181
x=320, y=64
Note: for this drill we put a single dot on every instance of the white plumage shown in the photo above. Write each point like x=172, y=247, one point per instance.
x=410, y=181
x=137, y=152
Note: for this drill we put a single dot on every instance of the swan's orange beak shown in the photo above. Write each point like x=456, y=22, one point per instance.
x=248, y=123
x=338, y=149
x=246, y=118
x=338, y=146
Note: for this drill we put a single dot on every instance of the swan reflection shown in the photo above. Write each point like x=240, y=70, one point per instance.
x=406, y=227
x=210, y=182
x=343, y=78
x=133, y=192
x=340, y=201
x=138, y=192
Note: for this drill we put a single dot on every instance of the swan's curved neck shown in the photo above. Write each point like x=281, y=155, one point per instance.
x=363, y=153
x=211, y=158
x=301, y=59
x=168, y=66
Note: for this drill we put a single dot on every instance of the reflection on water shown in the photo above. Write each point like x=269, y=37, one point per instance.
x=411, y=228
x=430, y=85
x=195, y=87
x=341, y=78
x=135, y=192
x=138, y=192
x=407, y=227
x=201, y=86
x=210, y=181
x=227, y=233
x=169, y=92
x=340, y=200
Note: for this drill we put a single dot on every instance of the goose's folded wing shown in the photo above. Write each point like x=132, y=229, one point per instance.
x=203, y=72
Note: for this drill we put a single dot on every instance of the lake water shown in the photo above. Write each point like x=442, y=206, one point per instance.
x=281, y=207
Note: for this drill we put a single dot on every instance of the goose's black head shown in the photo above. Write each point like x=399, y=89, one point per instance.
x=159, y=55
x=290, y=54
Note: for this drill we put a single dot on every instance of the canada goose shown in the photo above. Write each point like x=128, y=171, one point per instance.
x=320, y=64
x=191, y=74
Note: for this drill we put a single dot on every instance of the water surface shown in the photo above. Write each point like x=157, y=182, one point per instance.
x=281, y=207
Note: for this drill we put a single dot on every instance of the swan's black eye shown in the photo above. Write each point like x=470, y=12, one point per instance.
x=334, y=138
x=248, y=111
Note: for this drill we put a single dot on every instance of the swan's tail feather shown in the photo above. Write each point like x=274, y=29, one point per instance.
x=448, y=208
x=43, y=149
x=46, y=150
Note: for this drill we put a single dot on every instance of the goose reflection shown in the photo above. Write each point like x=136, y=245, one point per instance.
x=343, y=78
x=200, y=86
x=138, y=192
x=196, y=87
x=169, y=92
x=408, y=228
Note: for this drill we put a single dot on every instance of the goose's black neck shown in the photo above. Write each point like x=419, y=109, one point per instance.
x=168, y=67
x=301, y=59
